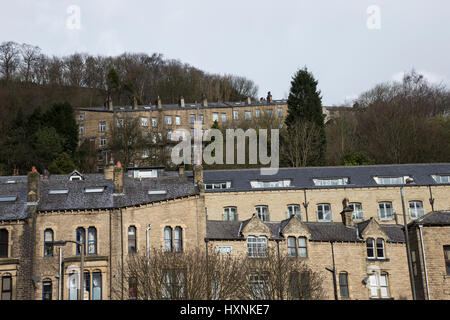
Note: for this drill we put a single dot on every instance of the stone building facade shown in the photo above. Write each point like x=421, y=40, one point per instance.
x=118, y=212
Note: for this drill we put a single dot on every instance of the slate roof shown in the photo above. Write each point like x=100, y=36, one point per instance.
x=302, y=178
x=16, y=210
x=187, y=106
x=436, y=218
x=135, y=193
x=320, y=231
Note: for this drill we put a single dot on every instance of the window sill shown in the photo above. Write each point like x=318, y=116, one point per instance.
x=6, y=260
x=86, y=258
x=379, y=260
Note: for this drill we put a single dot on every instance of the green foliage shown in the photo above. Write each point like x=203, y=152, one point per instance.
x=305, y=104
x=63, y=164
x=357, y=159
x=47, y=145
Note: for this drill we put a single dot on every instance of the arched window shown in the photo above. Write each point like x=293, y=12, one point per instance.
x=292, y=246
x=48, y=245
x=132, y=239
x=80, y=237
x=4, y=243
x=47, y=289
x=96, y=285
x=6, y=287
x=168, y=239
x=92, y=240
x=370, y=248
x=263, y=212
x=178, y=237
x=73, y=286
x=302, y=251
x=380, y=248
x=343, y=284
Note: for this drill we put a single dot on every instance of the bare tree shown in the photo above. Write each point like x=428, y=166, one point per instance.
x=298, y=143
x=195, y=275
x=30, y=56
x=126, y=139
x=9, y=59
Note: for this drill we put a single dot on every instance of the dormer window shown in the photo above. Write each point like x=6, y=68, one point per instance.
x=444, y=179
x=331, y=181
x=157, y=192
x=255, y=184
x=94, y=190
x=391, y=179
x=218, y=185
x=8, y=199
x=58, y=191
x=75, y=175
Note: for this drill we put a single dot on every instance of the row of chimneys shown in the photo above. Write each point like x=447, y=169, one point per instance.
x=109, y=103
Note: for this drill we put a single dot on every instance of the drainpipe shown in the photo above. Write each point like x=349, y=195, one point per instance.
x=424, y=261
x=148, y=258
x=207, y=266
x=279, y=270
x=60, y=282
x=408, y=250
x=121, y=243
x=333, y=271
x=431, y=198
x=305, y=204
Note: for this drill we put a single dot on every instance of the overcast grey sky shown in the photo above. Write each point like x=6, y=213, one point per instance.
x=266, y=41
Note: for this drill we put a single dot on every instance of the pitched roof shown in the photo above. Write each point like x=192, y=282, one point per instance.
x=59, y=193
x=301, y=178
x=433, y=218
x=16, y=209
x=320, y=231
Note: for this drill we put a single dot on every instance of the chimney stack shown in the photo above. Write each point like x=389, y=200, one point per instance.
x=109, y=103
x=204, y=101
x=181, y=171
x=33, y=185
x=249, y=100
x=108, y=172
x=159, y=102
x=347, y=213
x=135, y=104
x=269, y=97
x=198, y=176
x=118, y=178
x=181, y=102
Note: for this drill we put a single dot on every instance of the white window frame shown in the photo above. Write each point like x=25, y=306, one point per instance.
x=379, y=285
x=417, y=211
x=154, y=122
x=256, y=247
x=358, y=213
x=168, y=120
x=263, y=212
x=385, y=211
x=290, y=211
x=178, y=120
x=229, y=213
x=224, y=117
x=248, y=115
x=144, y=121
x=321, y=209
x=102, y=126
x=235, y=115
